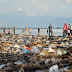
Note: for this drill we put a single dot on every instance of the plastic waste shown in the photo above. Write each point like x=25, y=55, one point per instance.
x=45, y=48
x=39, y=71
x=18, y=62
x=51, y=50
x=1, y=66
x=59, y=52
x=64, y=52
x=17, y=46
x=27, y=48
x=54, y=68
x=63, y=69
x=42, y=54
x=34, y=49
x=18, y=50
x=26, y=51
x=52, y=46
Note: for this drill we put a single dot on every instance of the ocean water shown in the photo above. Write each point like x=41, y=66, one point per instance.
x=56, y=32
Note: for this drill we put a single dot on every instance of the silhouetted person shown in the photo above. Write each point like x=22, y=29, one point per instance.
x=70, y=28
x=38, y=31
x=14, y=30
x=50, y=30
x=9, y=31
x=4, y=30
x=30, y=30
x=25, y=30
x=47, y=31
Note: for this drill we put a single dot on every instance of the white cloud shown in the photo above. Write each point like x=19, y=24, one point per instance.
x=42, y=7
x=19, y=9
x=69, y=1
x=40, y=4
x=36, y=7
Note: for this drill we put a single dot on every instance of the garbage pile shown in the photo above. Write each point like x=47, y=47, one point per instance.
x=35, y=53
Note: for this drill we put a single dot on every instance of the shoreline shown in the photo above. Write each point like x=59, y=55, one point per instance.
x=28, y=28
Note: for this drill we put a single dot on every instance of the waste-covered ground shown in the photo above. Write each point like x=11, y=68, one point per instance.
x=39, y=53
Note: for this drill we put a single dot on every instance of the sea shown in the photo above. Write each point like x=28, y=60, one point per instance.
x=57, y=32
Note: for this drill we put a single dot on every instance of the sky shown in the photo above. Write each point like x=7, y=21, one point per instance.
x=61, y=8
x=31, y=12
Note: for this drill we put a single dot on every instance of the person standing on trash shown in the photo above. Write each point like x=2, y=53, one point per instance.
x=52, y=34
x=50, y=30
x=30, y=30
x=25, y=30
x=4, y=30
x=38, y=31
x=70, y=28
x=9, y=31
x=65, y=30
x=14, y=30
x=47, y=31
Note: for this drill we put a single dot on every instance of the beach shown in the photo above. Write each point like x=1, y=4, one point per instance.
x=43, y=31
x=35, y=35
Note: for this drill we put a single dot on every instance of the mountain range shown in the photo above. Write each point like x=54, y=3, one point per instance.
x=19, y=20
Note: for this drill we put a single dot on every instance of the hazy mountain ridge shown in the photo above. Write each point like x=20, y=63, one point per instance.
x=19, y=20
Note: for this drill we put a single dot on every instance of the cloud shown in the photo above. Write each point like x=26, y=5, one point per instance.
x=69, y=1
x=45, y=7
x=40, y=4
x=36, y=7
x=19, y=9
x=42, y=7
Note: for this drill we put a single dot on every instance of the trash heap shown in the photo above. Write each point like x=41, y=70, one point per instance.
x=35, y=53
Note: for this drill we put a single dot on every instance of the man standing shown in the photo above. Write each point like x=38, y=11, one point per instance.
x=38, y=31
x=9, y=31
x=70, y=28
x=4, y=30
x=47, y=31
x=14, y=30
x=30, y=30
x=50, y=30
x=65, y=30
x=25, y=30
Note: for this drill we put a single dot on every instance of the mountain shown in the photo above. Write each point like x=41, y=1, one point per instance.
x=19, y=20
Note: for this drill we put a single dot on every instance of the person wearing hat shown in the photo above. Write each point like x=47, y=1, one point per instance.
x=70, y=28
